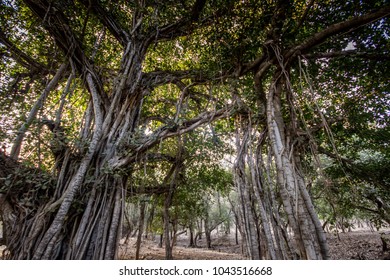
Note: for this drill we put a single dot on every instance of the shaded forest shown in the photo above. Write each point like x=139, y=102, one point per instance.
x=152, y=119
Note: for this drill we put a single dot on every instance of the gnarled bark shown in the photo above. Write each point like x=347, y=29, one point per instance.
x=309, y=237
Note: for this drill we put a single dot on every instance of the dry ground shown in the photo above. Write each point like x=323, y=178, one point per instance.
x=223, y=249
x=362, y=244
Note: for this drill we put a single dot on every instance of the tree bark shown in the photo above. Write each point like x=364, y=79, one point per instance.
x=245, y=191
x=295, y=201
x=207, y=231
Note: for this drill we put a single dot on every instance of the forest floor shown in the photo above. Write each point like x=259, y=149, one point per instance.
x=361, y=244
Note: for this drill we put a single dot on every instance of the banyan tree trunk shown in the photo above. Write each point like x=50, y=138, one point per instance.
x=61, y=226
x=255, y=196
x=310, y=240
x=263, y=216
x=246, y=195
x=80, y=218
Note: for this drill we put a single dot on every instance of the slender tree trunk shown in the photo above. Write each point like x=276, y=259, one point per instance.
x=192, y=243
x=149, y=233
x=207, y=231
x=167, y=242
x=236, y=234
x=161, y=239
x=174, y=232
x=141, y=222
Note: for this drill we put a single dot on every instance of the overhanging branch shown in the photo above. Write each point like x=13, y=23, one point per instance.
x=56, y=23
x=108, y=20
x=168, y=131
x=190, y=22
x=349, y=53
x=154, y=79
x=337, y=28
x=21, y=57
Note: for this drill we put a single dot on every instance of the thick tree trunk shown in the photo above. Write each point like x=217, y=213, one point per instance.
x=245, y=190
x=82, y=217
x=309, y=238
x=255, y=167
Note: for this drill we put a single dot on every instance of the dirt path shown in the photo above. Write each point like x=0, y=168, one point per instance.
x=223, y=249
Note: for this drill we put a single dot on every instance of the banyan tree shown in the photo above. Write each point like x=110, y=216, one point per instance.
x=90, y=88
